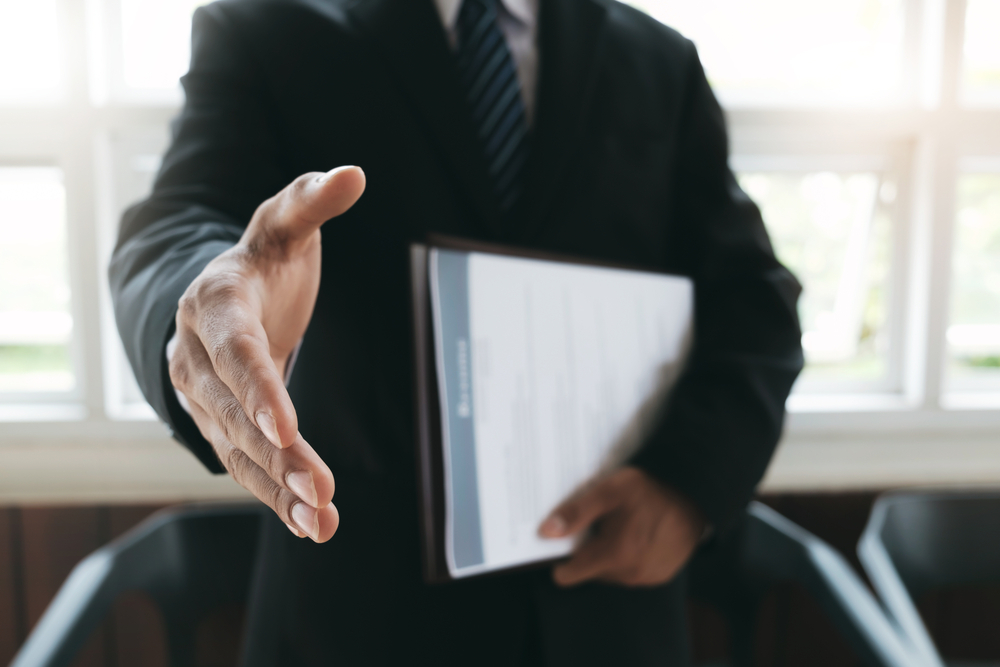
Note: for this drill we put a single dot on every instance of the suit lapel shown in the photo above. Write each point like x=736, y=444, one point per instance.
x=408, y=36
x=570, y=47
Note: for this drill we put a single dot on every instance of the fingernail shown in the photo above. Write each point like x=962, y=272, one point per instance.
x=554, y=526
x=295, y=531
x=330, y=174
x=301, y=484
x=265, y=423
x=305, y=518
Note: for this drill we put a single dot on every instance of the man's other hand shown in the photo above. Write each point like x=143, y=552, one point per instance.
x=643, y=533
x=237, y=326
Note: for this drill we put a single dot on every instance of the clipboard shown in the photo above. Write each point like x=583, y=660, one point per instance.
x=441, y=548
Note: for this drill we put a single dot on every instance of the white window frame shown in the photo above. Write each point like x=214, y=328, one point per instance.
x=909, y=431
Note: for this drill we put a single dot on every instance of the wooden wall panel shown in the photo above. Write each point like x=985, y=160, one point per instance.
x=11, y=622
x=219, y=638
x=139, y=634
x=54, y=540
x=963, y=623
x=804, y=635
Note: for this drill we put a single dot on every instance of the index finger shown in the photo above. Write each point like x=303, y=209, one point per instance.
x=582, y=508
x=594, y=559
x=318, y=523
x=237, y=346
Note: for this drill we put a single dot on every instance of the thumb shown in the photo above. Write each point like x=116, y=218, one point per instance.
x=304, y=205
x=581, y=510
x=328, y=195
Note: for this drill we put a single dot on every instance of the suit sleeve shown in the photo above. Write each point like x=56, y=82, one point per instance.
x=725, y=415
x=222, y=163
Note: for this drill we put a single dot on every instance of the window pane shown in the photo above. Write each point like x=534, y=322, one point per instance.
x=35, y=320
x=156, y=41
x=833, y=231
x=981, y=76
x=29, y=50
x=974, y=330
x=848, y=52
x=135, y=159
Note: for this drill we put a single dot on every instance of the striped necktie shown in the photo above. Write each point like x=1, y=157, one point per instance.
x=488, y=76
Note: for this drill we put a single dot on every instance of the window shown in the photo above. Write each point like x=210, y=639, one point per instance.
x=981, y=61
x=868, y=132
x=833, y=230
x=36, y=325
x=861, y=128
x=155, y=49
x=830, y=195
x=87, y=89
x=30, y=51
x=974, y=327
x=846, y=53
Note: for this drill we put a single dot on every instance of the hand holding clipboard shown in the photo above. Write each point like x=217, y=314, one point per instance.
x=534, y=377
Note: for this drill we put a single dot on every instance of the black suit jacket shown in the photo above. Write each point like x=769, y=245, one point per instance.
x=628, y=164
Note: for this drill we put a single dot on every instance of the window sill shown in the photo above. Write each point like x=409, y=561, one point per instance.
x=99, y=472
x=55, y=454
x=159, y=471
x=73, y=423
x=847, y=403
x=965, y=401
x=871, y=461
x=41, y=413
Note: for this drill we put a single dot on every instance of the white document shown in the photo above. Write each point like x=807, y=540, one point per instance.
x=549, y=375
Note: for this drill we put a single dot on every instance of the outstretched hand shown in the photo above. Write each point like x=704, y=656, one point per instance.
x=643, y=534
x=237, y=326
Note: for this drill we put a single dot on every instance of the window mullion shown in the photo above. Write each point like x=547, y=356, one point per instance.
x=951, y=71
x=914, y=24
x=78, y=163
x=77, y=160
x=943, y=175
x=901, y=170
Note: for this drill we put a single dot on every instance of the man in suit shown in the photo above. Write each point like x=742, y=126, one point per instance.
x=580, y=127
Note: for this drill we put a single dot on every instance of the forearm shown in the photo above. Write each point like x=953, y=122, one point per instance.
x=720, y=427
x=725, y=416
x=221, y=165
x=149, y=271
x=719, y=432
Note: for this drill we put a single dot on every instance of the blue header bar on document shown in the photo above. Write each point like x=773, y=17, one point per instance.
x=449, y=279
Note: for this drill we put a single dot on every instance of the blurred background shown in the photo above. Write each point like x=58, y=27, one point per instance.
x=868, y=131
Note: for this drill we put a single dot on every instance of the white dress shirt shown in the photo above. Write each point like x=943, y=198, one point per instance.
x=518, y=21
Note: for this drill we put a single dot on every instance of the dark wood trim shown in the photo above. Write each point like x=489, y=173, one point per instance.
x=54, y=541
x=11, y=623
x=138, y=634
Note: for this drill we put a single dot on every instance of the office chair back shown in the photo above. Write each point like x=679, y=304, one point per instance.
x=193, y=559
x=766, y=549
x=918, y=541
x=190, y=560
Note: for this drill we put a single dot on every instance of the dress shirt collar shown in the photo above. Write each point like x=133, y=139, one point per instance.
x=522, y=10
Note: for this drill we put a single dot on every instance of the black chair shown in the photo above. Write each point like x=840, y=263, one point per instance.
x=916, y=542
x=174, y=556
x=734, y=572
